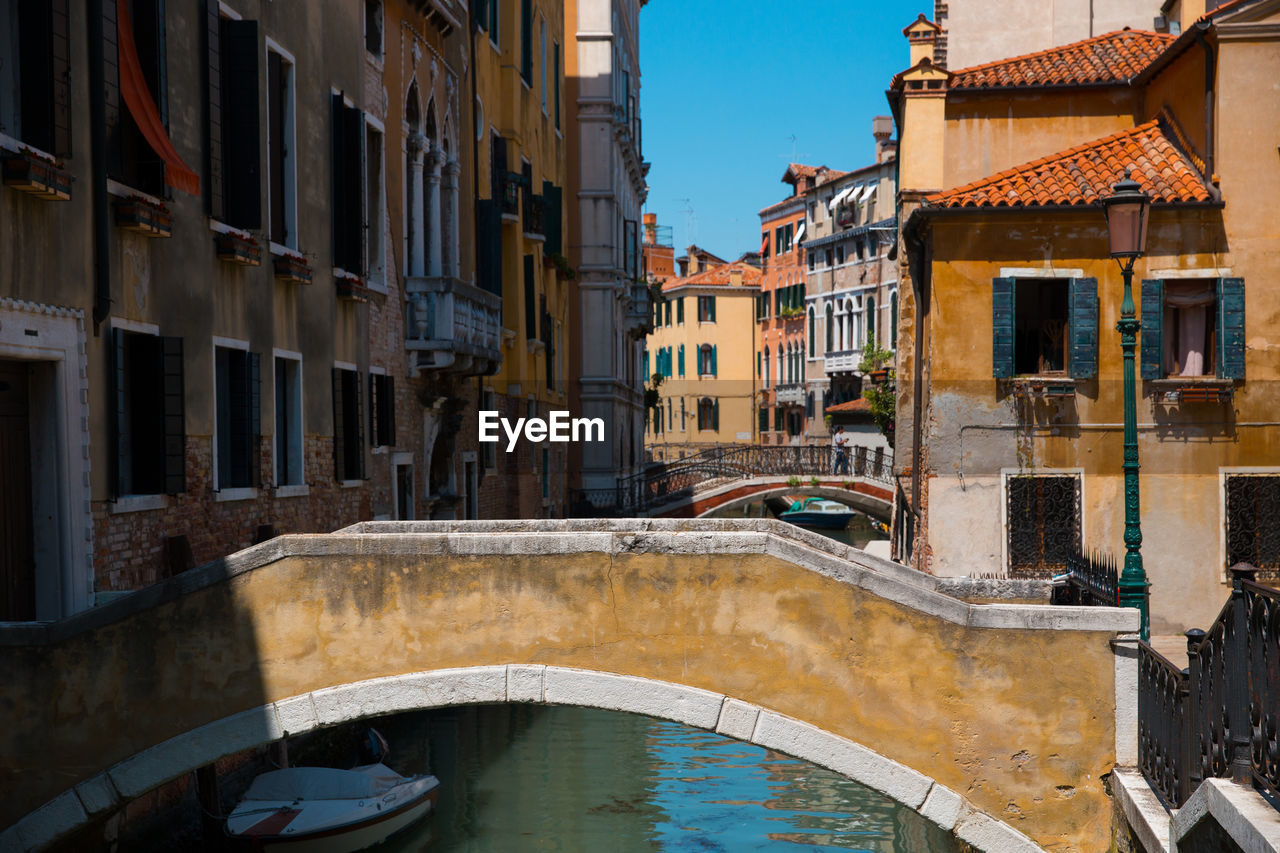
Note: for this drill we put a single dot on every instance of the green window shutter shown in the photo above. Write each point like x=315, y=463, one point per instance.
x=713, y=360
x=1151, y=358
x=715, y=414
x=1002, y=316
x=1084, y=328
x=711, y=304
x=680, y=310
x=681, y=365
x=553, y=226
x=645, y=367
x=1230, y=328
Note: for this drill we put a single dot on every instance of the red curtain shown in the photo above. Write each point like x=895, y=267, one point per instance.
x=137, y=97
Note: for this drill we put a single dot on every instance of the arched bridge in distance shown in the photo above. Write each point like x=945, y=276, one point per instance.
x=754, y=629
x=729, y=476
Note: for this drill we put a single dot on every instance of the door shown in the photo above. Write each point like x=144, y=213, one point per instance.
x=404, y=492
x=17, y=541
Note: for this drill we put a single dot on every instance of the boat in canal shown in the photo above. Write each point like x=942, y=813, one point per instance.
x=328, y=810
x=818, y=512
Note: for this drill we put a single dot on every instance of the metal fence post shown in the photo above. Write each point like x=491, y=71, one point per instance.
x=1191, y=721
x=1238, y=676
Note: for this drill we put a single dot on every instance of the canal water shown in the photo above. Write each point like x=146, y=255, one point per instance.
x=538, y=778
x=858, y=533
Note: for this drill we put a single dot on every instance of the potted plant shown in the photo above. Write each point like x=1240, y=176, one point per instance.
x=813, y=481
x=351, y=287
x=292, y=268
x=793, y=481
x=880, y=395
x=238, y=248
x=146, y=216
x=37, y=174
x=561, y=263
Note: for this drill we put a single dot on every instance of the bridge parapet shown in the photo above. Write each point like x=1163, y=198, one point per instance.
x=760, y=617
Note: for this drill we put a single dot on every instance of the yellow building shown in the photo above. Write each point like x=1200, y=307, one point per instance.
x=1009, y=365
x=705, y=344
x=520, y=149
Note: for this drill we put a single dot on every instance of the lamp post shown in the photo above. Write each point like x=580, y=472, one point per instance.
x=1127, y=210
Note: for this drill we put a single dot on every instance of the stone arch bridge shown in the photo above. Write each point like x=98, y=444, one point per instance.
x=750, y=628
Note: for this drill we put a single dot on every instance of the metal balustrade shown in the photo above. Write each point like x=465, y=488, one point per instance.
x=1220, y=717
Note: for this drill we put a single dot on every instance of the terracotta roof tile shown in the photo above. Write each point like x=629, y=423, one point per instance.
x=1082, y=175
x=859, y=405
x=1110, y=58
x=718, y=275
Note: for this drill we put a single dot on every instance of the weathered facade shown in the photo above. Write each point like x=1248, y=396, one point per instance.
x=1010, y=407
x=784, y=408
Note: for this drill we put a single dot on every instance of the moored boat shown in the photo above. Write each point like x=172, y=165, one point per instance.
x=326, y=810
x=818, y=512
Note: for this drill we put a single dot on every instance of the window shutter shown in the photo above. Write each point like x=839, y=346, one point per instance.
x=681, y=358
x=339, y=428
x=60, y=50
x=680, y=310
x=711, y=308
x=119, y=439
x=1002, y=316
x=1151, y=357
x=358, y=443
x=254, y=380
x=175, y=439
x=1230, y=330
x=243, y=203
x=530, y=310
x=713, y=360
x=715, y=414
x=554, y=197
x=354, y=169
x=374, y=400
x=111, y=87
x=1084, y=328
x=339, y=204
x=213, y=104
x=526, y=40
x=388, y=413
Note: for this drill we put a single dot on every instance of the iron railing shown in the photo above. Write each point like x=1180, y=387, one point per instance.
x=1087, y=581
x=1219, y=717
x=664, y=482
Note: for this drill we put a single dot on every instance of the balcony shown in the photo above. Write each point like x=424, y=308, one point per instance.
x=790, y=394
x=535, y=216
x=843, y=361
x=453, y=327
x=511, y=196
x=639, y=316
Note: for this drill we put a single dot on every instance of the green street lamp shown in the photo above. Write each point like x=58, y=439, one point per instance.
x=1127, y=210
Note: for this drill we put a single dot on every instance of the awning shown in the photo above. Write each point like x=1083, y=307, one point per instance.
x=867, y=192
x=764, y=245
x=137, y=97
x=840, y=197
x=799, y=234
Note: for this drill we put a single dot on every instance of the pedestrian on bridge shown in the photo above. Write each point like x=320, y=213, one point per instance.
x=841, y=442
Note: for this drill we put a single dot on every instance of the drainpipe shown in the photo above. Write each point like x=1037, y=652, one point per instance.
x=98, y=169
x=1210, y=76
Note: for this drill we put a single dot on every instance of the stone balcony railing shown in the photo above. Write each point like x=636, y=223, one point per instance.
x=843, y=361
x=453, y=326
x=639, y=316
x=790, y=394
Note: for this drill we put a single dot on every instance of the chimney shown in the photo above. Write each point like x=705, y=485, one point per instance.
x=882, y=130
x=735, y=277
x=922, y=35
x=650, y=229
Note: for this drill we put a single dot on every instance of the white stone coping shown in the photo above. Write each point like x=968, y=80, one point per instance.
x=1252, y=822
x=502, y=684
x=1143, y=810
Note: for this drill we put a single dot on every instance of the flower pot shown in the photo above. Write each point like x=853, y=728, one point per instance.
x=289, y=268
x=143, y=217
x=352, y=290
x=236, y=249
x=36, y=176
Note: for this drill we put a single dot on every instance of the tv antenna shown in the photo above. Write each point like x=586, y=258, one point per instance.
x=690, y=222
x=795, y=157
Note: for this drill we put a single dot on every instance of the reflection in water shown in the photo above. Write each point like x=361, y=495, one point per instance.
x=517, y=778
x=858, y=532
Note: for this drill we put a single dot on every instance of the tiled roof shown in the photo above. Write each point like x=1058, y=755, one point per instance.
x=799, y=170
x=1084, y=174
x=1110, y=58
x=718, y=275
x=860, y=405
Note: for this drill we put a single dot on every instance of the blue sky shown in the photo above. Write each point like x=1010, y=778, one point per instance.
x=725, y=86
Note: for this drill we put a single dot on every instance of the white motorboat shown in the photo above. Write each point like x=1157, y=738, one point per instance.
x=325, y=810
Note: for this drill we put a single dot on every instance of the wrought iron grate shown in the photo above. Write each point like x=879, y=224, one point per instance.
x=1043, y=523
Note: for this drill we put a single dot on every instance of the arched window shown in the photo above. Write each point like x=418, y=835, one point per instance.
x=830, y=328
x=813, y=331
x=893, y=319
x=708, y=414
x=871, y=322
x=768, y=368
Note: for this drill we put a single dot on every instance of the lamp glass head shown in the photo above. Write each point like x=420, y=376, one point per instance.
x=1128, y=209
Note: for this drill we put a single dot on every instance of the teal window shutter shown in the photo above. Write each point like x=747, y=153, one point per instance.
x=681, y=365
x=711, y=309
x=1002, y=304
x=1084, y=328
x=713, y=360
x=646, y=367
x=1230, y=328
x=1151, y=357
x=715, y=414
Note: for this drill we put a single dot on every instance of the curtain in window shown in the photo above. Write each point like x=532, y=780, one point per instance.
x=1186, y=306
x=137, y=97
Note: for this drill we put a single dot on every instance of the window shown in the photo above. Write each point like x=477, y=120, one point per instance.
x=829, y=263
x=1252, y=536
x=813, y=332
x=348, y=426
x=777, y=419
x=1045, y=326
x=347, y=185
x=768, y=366
x=382, y=410
x=288, y=438
x=788, y=235
x=530, y=300
x=1193, y=328
x=893, y=320
x=374, y=253
x=830, y=329
x=373, y=27
x=644, y=361
x=839, y=255
x=148, y=396
x=237, y=404
x=871, y=322
x=631, y=247
x=526, y=41
x=708, y=414
x=555, y=77
x=812, y=260
x=35, y=79
x=133, y=155
x=680, y=365
x=763, y=415
x=281, y=160
x=707, y=360
x=1043, y=523
x=542, y=53
x=680, y=311
x=706, y=309
x=667, y=311
x=487, y=17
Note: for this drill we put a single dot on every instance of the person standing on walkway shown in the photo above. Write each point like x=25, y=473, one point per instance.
x=841, y=443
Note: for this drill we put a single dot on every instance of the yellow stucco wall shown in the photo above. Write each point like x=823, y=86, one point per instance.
x=976, y=709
